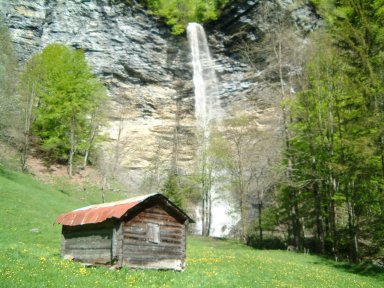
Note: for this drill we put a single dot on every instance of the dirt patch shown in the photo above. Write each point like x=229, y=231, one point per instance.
x=54, y=172
x=9, y=157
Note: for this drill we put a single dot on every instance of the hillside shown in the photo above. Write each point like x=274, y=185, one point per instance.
x=30, y=253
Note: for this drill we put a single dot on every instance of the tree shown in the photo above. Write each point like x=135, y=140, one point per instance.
x=179, y=13
x=8, y=77
x=205, y=180
x=336, y=134
x=27, y=89
x=243, y=162
x=172, y=190
x=69, y=96
x=328, y=133
x=157, y=169
x=357, y=33
x=209, y=165
x=283, y=52
x=111, y=156
x=95, y=121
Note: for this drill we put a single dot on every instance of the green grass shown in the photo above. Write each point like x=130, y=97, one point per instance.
x=29, y=259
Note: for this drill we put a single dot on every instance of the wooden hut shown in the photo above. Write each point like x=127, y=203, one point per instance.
x=142, y=232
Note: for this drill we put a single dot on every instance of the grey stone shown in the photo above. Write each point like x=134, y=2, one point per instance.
x=146, y=69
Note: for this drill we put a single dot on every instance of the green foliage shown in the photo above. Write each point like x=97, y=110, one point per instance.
x=69, y=98
x=269, y=243
x=336, y=144
x=179, y=189
x=173, y=191
x=178, y=13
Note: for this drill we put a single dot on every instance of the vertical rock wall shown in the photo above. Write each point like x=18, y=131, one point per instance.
x=147, y=70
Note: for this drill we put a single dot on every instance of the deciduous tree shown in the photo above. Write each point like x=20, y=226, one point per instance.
x=69, y=96
x=179, y=13
x=8, y=78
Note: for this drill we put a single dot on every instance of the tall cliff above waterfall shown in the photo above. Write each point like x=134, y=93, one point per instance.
x=148, y=71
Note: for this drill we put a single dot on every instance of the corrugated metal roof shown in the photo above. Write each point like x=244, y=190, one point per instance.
x=100, y=212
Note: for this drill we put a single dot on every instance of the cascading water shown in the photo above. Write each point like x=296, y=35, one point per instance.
x=208, y=112
x=207, y=101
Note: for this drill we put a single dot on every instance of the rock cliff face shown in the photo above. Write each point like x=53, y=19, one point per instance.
x=146, y=69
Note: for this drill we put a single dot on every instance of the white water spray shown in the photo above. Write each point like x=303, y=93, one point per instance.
x=207, y=112
x=207, y=101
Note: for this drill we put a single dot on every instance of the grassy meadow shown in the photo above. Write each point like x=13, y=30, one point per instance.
x=30, y=245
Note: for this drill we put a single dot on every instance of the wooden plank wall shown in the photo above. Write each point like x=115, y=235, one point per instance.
x=117, y=243
x=88, y=243
x=169, y=253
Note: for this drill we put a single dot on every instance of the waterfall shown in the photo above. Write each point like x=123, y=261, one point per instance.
x=207, y=101
x=208, y=112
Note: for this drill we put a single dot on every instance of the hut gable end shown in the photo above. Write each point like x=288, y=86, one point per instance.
x=154, y=239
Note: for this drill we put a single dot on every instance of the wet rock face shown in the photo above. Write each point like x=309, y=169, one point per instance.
x=146, y=69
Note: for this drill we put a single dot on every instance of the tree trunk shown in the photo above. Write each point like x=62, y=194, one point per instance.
x=352, y=227
x=243, y=233
x=319, y=218
x=203, y=217
x=89, y=146
x=24, y=153
x=260, y=221
x=103, y=186
x=353, y=253
x=85, y=161
x=296, y=225
x=71, y=151
x=332, y=220
x=209, y=213
x=27, y=128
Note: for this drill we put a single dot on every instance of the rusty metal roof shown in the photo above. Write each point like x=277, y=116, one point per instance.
x=101, y=212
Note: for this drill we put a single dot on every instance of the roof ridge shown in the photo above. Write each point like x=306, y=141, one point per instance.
x=118, y=202
x=100, y=212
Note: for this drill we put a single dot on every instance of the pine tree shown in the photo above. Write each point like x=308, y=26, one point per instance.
x=172, y=190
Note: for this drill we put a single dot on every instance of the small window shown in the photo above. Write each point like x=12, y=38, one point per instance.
x=153, y=233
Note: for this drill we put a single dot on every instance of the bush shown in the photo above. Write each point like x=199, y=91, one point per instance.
x=269, y=243
x=178, y=13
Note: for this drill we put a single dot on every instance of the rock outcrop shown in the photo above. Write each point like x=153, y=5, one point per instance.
x=146, y=69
